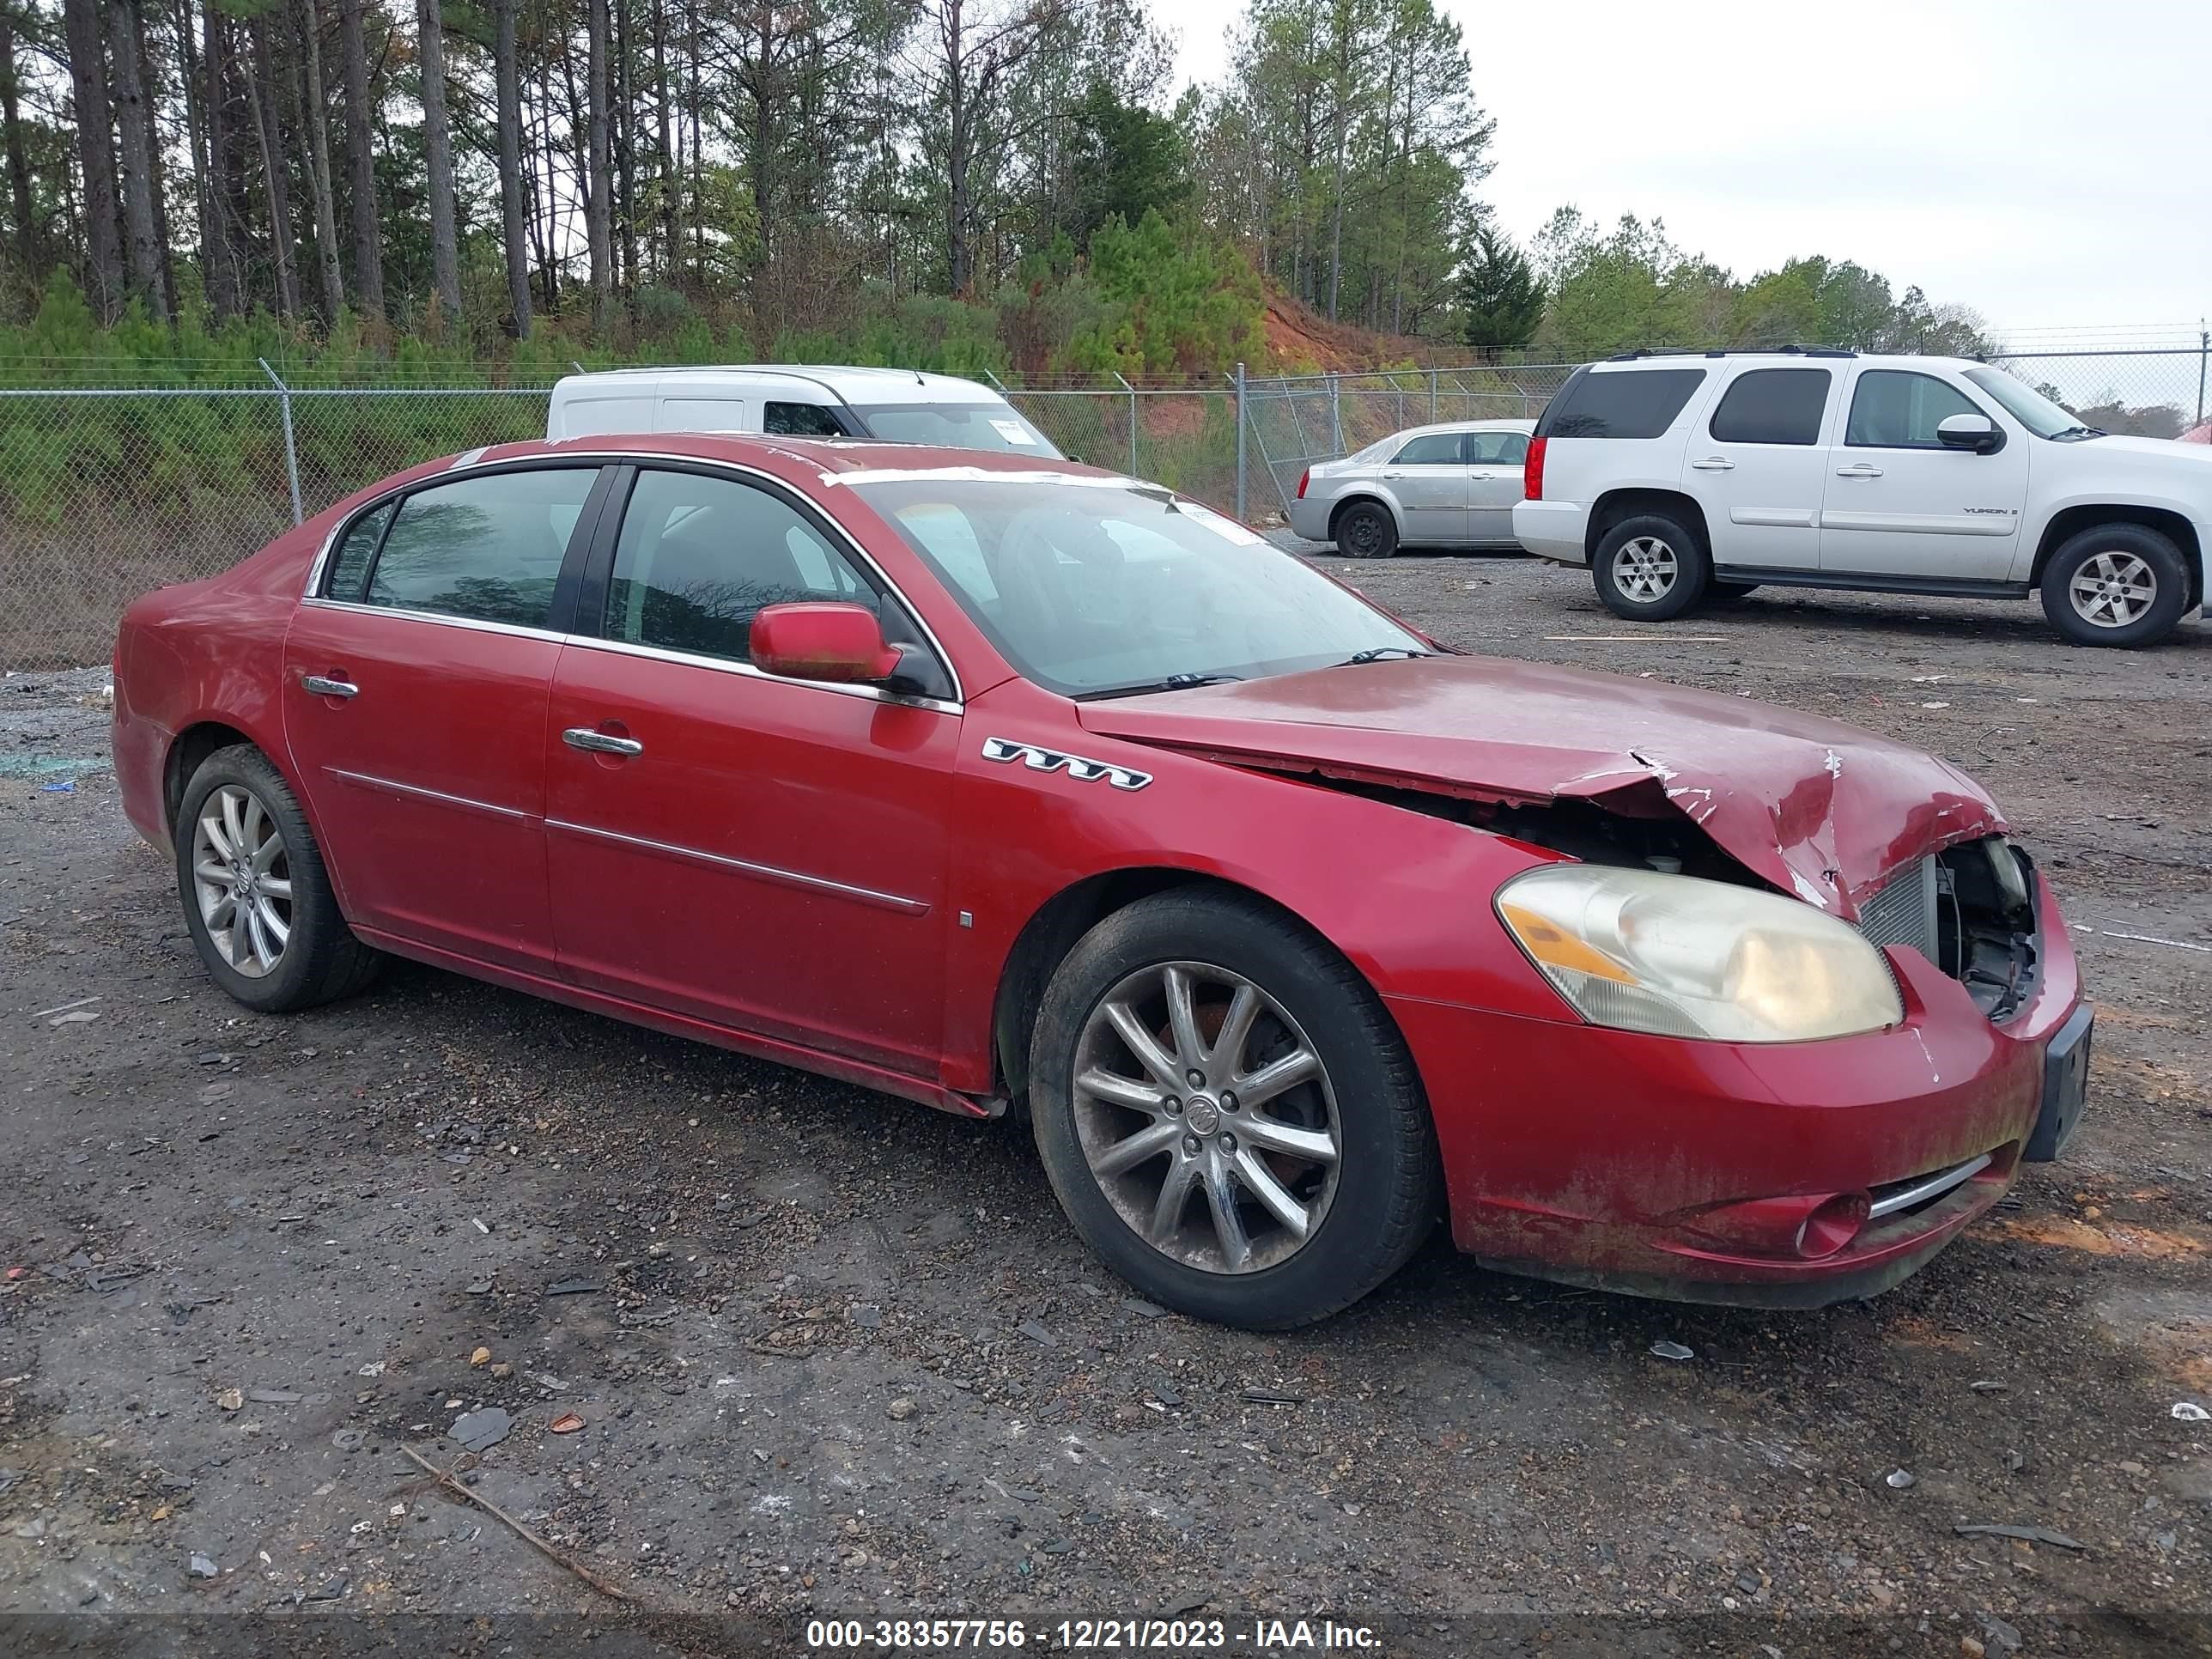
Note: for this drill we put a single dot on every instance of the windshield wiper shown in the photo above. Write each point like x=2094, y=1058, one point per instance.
x=2066, y=432
x=1376, y=652
x=1168, y=682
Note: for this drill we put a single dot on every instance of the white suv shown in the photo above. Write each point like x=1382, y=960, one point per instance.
x=1682, y=478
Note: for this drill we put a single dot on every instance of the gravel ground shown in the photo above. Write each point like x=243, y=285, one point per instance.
x=832, y=1354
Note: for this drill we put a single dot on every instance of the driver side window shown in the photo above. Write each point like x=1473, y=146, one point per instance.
x=699, y=556
x=1900, y=409
x=1430, y=449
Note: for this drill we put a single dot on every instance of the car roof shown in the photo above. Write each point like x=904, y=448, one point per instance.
x=827, y=459
x=1805, y=356
x=1515, y=424
x=843, y=380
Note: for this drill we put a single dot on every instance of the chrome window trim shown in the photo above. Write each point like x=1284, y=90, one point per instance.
x=746, y=671
x=477, y=625
x=415, y=790
x=638, y=457
x=746, y=866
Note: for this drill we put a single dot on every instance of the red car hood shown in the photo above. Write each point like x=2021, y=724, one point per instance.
x=1822, y=810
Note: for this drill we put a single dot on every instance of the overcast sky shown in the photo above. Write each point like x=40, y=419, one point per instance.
x=2049, y=164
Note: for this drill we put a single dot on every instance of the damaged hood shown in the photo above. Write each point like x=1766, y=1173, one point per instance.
x=1822, y=810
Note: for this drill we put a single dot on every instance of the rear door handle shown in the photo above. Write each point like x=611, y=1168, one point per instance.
x=1861, y=470
x=1715, y=464
x=600, y=743
x=323, y=686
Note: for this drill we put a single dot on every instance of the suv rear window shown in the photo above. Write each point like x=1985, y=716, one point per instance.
x=1772, y=406
x=1619, y=404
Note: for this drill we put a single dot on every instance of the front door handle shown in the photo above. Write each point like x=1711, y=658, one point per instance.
x=1861, y=470
x=1715, y=464
x=600, y=743
x=323, y=686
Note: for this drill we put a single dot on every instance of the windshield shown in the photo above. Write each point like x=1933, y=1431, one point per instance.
x=955, y=426
x=2028, y=406
x=1091, y=587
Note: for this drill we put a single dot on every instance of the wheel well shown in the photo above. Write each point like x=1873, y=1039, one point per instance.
x=191, y=746
x=1053, y=931
x=1336, y=514
x=1610, y=508
x=2070, y=522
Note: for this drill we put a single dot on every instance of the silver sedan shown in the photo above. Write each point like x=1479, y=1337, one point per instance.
x=1451, y=485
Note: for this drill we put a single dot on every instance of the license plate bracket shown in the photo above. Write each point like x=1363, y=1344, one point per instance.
x=2065, y=1087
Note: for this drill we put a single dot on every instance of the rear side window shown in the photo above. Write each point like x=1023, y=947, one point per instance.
x=487, y=548
x=348, y=577
x=1430, y=449
x=1772, y=406
x=800, y=421
x=1497, y=448
x=1619, y=404
x=698, y=556
x=1899, y=408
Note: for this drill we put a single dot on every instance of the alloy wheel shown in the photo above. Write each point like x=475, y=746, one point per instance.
x=1644, y=569
x=1206, y=1117
x=2110, y=590
x=242, y=879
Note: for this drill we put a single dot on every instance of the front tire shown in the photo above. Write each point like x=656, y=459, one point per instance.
x=257, y=899
x=1227, y=1113
x=2118, y=585
x=1650, y=567
x=1365, y=530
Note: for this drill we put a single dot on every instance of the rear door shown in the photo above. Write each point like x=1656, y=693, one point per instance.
x=1757, y=467
x=1901, y=503
x=761, y=853
x=414, y=685
x=1427, y=475
x=1495, y=458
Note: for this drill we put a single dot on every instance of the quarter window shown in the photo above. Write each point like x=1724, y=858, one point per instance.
x=1900, y=409
x=488, y=548
x=1622, y=403
x=348, y=577
x=800, y=421
x=1772, y=406
x=699, y=556
x=1430, y=449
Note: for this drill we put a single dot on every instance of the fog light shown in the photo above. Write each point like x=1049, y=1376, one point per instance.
x=1831, y=1226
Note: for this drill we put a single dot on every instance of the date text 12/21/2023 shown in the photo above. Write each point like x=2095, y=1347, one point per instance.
x=1087, y=1635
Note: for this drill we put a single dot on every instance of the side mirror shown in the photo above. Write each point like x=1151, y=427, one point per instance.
x=842, y=643
x=1976, y=432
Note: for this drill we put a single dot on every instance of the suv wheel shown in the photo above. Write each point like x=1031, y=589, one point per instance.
x=2116, y=584
x=1649, y=568
x=1365, y=530
x=1227, y=1113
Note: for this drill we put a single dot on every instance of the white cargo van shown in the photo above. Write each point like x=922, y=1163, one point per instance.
x=795, y=400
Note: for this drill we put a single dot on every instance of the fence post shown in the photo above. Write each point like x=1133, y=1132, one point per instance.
x=2203, y=356
x=291, y=450
x=1432, y=394
x=1336, y=412
x=1240, y=443
x=1132, y=391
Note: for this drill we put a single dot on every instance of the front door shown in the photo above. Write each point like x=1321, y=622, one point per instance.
x=1428, y=477
x=1901, y=503
x=1757, y=468
x=764, y=854
x=415, y=687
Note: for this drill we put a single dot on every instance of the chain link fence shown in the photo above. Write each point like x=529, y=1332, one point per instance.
x=107, y=492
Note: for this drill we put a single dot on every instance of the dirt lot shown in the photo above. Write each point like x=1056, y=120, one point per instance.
x=837, y=1355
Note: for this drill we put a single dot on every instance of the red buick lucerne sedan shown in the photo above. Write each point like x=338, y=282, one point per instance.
x=980, y=781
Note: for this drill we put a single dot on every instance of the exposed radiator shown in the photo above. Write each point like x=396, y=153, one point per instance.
x=1903, y=910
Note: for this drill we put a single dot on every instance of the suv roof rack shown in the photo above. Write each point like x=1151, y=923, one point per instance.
x=1732, y=351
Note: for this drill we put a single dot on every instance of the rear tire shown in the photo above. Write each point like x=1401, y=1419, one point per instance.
x=1650, y=567
x=257, y=902
x=2117, y=585
x=1365, y=530
x=1363, y=1200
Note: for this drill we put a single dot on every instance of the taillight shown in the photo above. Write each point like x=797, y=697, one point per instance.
x=1304, y=478
x=1532, y=469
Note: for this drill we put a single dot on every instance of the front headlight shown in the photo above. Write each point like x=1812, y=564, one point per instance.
x=1678, y=956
